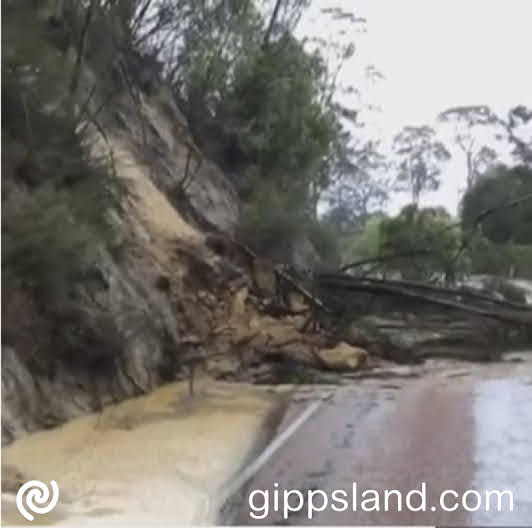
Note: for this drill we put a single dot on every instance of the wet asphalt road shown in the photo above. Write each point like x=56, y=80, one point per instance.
x=466, y=427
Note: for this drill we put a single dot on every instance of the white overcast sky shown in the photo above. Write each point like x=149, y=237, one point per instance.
x=435, y=54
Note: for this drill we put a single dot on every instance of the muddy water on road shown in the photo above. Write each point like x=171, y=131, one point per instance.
x=460, y=428
x=161, y=458
x=164, y=458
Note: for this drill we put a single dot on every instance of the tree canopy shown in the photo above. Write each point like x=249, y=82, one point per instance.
x=419, y=155
x=499, y=187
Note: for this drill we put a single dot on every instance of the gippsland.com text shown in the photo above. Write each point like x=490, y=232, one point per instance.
x=262, y=502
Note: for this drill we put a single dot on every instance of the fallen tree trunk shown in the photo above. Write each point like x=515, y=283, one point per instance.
x=385, y=258
x=413, y=285
x=336, y=282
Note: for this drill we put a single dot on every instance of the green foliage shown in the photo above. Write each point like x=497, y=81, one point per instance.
x=55, y=198
x=274, y=109
x=467, y=122
x=500, y=259
x=359, y=187
x=497, y=187
x=430, y=236
x=420, y=156
x=256, y=98
x=43, y=246
x=364, y=245
x=271, y=222
x=33, y=69
x=271, y=219
x=214, y=37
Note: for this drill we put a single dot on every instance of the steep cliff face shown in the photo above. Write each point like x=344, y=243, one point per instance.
x=126, y=328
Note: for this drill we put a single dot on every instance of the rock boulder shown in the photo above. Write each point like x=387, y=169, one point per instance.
x=343, y=357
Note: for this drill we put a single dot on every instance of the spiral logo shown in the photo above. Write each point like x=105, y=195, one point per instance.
x=38, y=494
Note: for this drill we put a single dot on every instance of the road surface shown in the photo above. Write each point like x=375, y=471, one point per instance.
x=466, y=427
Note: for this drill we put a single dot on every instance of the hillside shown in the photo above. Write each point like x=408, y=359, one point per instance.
x=160, y=216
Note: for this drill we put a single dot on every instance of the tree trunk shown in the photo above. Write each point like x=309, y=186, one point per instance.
x=271, y=24
x=470, y=170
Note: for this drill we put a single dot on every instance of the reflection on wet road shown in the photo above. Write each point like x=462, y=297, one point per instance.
x=462, y=430
x=503, y=446
x=164, y=458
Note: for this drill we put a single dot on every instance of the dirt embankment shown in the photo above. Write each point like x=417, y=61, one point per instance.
x=123, y=329
x=169, y=303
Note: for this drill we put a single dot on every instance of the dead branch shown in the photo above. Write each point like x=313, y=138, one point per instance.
x=189, y=176
x=280, y=273
x=481, y=217
x=385, y=258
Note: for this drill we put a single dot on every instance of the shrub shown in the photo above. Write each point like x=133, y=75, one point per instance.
x=500, y=259
x=56, y=197
x=270, y=221
x=431, y=237
x=43, y=243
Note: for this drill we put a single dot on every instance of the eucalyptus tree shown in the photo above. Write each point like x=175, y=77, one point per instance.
x=359, y=188
x=469, y=122
x=517, y=131
x=419, y=157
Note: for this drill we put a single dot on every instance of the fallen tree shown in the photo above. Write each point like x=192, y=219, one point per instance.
x=414, y=286
x=501, y=310
x=412, y=320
